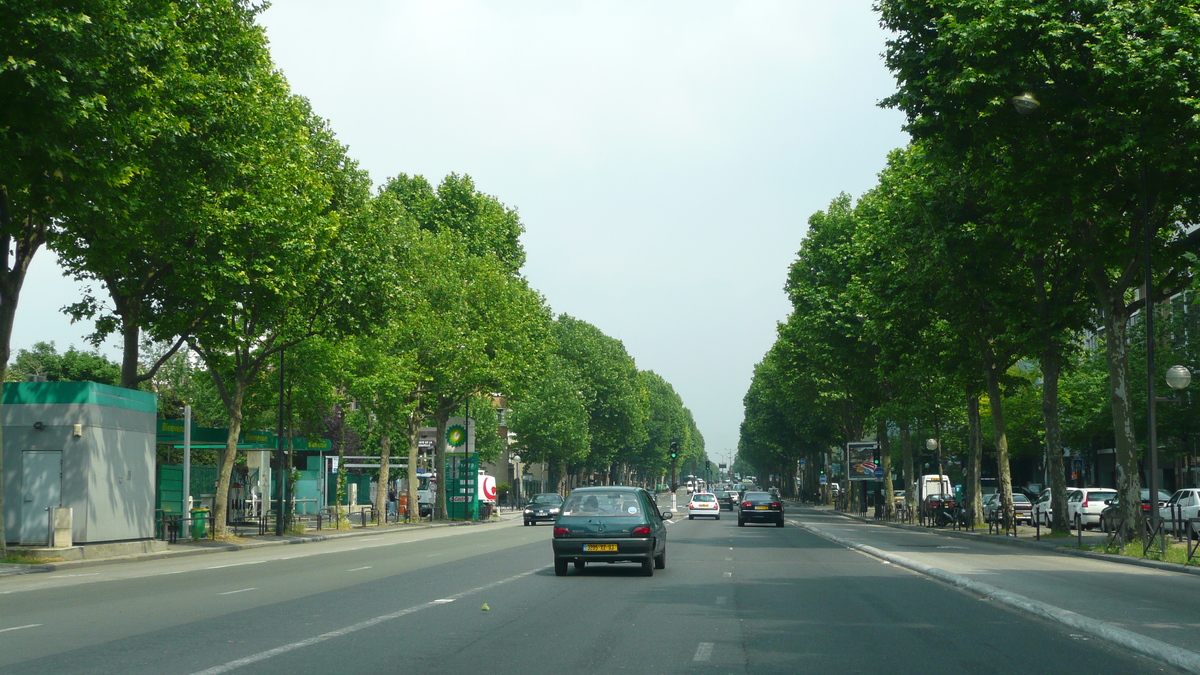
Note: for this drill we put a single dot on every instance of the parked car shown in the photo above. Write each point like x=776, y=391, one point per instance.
x=1022, y=508
x=1085, y=504
x=1182, y=505
x=726, y=499
x=610, y=524
x=704, y=504
x=759, y=507
x=1108, y=516
x=1043, y=506
x=543, y=507
x=898, y=498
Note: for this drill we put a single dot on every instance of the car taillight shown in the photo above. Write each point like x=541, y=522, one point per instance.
x=776, y=505
x=746, y=505
x=560, y=532
x=641, y=531
x=1085, y=503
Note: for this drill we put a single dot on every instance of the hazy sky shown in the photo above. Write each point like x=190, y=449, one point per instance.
x=664, y=156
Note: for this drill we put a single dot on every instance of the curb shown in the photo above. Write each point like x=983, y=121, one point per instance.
x=207, y=549
x=1147, y=646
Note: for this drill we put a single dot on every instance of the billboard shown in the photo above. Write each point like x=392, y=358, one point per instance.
x=860, y=460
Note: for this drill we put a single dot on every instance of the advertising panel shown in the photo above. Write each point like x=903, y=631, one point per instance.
x=860, y=460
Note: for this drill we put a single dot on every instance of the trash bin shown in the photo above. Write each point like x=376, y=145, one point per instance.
x=485, y=511
x=199, y=523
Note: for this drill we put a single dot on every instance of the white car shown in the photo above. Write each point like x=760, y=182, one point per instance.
x=704, y=504
x=1182, y=505
x=1085, y=504
x=1043, y=507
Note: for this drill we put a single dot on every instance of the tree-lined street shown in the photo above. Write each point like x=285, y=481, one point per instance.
x=738, y=600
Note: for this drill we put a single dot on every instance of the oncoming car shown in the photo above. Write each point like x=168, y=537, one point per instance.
x=610, y=525
x=704, y=504
x=543, y=507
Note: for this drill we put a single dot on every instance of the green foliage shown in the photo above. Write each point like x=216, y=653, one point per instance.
x=72, y=366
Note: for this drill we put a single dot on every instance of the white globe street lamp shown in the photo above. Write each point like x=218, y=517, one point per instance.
x=1178, y=377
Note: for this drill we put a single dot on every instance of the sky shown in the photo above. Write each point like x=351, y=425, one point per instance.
x=664, y=157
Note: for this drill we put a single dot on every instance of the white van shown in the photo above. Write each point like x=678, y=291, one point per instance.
x=933, y=484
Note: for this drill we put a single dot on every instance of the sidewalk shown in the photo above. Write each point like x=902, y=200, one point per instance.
x=1027, y=537
x=206, y=546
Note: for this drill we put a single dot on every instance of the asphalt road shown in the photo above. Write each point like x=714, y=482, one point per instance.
x=732, y=600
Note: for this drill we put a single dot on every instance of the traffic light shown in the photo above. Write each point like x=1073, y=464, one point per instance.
x=674, y=449
x=707, y=465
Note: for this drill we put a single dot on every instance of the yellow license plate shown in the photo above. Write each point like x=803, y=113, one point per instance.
x=599, y=547
x=761, y=508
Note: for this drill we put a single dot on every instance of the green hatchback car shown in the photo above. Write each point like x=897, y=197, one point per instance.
x=610, y=524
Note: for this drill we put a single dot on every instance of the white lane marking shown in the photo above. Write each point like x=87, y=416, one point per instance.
x=729, y=574
x=240, y=590
x=703, y=651
x=252, y=562
x=68, y=576
x=442, y=601
x=729, y=558
x=359, y=569
x=371, y=539
x=262, y=656
x=32, y=625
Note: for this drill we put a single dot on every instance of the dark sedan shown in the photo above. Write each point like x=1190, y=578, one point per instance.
x=610, y=525
x=1110, y=516
x=760, y=507
x=726, y=499
x=543, y=507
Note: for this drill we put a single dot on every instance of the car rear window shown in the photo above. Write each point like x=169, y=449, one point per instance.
x=599, y=503
x=704, y=498
x=1020, y=498
x=1102, y=494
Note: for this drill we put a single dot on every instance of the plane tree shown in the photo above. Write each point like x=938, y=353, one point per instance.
x=287, y=271
x=1107, y=152
x=152, y=243
x=80, y=91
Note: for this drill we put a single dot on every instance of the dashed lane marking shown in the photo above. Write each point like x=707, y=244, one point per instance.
x=703, y=652
x=353, y=628
x=220, y=567
x=32, y=625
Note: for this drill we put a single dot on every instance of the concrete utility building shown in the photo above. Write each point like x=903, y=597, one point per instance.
x=81, y=446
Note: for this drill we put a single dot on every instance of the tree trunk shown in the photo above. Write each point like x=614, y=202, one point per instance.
x=999, y=433
x=439, y=466
x=130, y=337
x=1129, y=483
x=974, y=487
x=1051, y=367
x=385, y=473
x=885, y=455
x=228, y=457
x=910, y=479
x=413, y=510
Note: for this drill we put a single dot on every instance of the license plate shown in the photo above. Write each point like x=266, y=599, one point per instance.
x=542, y=513
x=761, y=508
x=599, y=547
